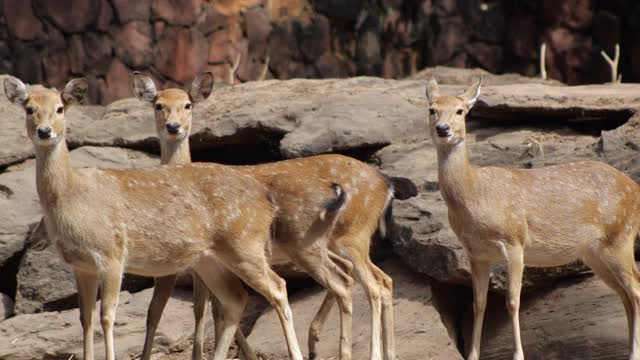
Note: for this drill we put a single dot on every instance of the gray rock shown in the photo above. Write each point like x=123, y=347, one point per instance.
x=6, y=306
x=58, y=335
x=419, y=331
x=44, y=282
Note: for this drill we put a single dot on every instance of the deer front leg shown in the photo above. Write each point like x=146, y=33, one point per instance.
x=161, y=293
x=110, y=291
x=87, y=292
x=200, y=297
x=515, y=267
x=480, y=277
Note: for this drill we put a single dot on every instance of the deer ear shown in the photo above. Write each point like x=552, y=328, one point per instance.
x=433, y=91
x=75, y=91
x=143, y=87
x=201, y=87
x=15, y=90
x=472, y=93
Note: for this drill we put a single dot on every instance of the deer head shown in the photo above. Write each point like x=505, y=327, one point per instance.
x=447, y=113
x=45, y=109
x=173, y=107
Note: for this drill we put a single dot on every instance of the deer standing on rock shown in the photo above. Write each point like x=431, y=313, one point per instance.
x=153, y=222
x=538, y=217
x=369, y=196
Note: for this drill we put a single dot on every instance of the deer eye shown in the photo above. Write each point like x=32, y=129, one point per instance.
x=432, y=111
x=158, y=107
x=459, y=112
x=187, y=106
x=30, y=110
x=60, y=109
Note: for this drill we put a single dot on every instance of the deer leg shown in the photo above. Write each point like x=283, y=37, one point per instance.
x=388, y=334
x=110, y=292
x=200, y=297
x=480, y=276
x=241, y=340
x=515, y=266
x=318, y=323
x=365, y=276
x=232, y=298
x=87, y=293
x=161, y=293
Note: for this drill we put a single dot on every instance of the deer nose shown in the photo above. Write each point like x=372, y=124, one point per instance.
x=173, y=128
x=44, y=132
x=442, y=129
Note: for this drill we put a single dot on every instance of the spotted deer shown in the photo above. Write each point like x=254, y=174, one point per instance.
x=154, y=222
x=369, y=197
x=538, y=217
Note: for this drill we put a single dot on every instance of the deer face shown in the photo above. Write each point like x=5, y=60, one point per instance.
x=45, y=109
x=447, y=114
x=172, y=107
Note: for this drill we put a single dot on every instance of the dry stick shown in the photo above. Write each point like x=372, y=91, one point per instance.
x=234, y=67
x=543, y=66
x=613, y=64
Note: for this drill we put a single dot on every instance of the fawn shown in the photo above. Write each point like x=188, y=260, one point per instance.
x=538, y=217
x=369, y=197
x=153, y=222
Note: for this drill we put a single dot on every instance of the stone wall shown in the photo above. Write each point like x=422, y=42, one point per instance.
x=51, y=41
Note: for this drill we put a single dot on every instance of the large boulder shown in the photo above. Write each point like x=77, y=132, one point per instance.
x=419, y=331
x=6, y=306
x=58, y=335
x=44, y=281
x=578, y=319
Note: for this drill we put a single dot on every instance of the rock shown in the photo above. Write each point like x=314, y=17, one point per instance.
x=315, y=38
x=340, y=10
x=70, y=16
x=21, y=208
x=419, y=331
x=98, y=51
x=210, y=20
x=258, y=25
x=283, y=49
x=105, y=16
x=487, y=56
x=59, y=334
x=455, y=76
x=329, y=66
x=220, y=43
x=578, y=319
x=181, y=54
x=488, y=22
x=619, y=147
x=180, y=12
x=522, y=36
x=133, y=44
x=117, y=82
x=56, y=69
x=132, y=10
x=6, y=307
x=21, y=21
x=448, y=41
x=576, y=14
x=76, y=55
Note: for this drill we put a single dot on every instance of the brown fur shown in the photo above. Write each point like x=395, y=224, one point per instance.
x=539, y=217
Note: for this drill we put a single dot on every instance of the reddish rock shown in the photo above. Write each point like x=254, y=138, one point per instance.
x=561, y=40
x=341, y=10
x=444, y=7
x=105, y=16
x=98, y=52
x=76, y=55
x=181, y=54
x=315, y=38
x=576, y=14
x=20, y=20
x=128, y=10
x=448, y=41
x=133, y=44
x=70, y=16
x=29, y=68
x=220, y=72
x=220, y=47
x=329, y=67
x=487, y=56
x=177, y=12
x=158, y=28
x=283, y=49
x=117, y=82
x=210, y=20
x=606, y=30
x=258, y=25
x=522, y=37
x=56, y=69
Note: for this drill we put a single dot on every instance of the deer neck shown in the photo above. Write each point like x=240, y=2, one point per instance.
x=455, y=174
x=175, y=152
x=54, y=174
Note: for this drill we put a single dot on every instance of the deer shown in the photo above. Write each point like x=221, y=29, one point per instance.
x=370, y=196
x=155, y=222
x=536, y=217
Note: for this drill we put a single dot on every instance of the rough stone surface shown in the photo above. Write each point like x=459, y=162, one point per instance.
x=6, y=307
x=132, y=44
x=71, y=16
x=132, y=10
x=181, y=54
x=581, y=319
x=58, y=335
x=180, y=12
x=419, y=331
x=21, y=21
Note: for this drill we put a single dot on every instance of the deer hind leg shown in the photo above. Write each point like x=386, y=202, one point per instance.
x=315, y=260
x=232, y=299
x=388, y=335
x=200, y=297
x=87, y=293
x=515, y=268
x=111, y=279
x=480, y=277
x=241, y=340
x=161, y=293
